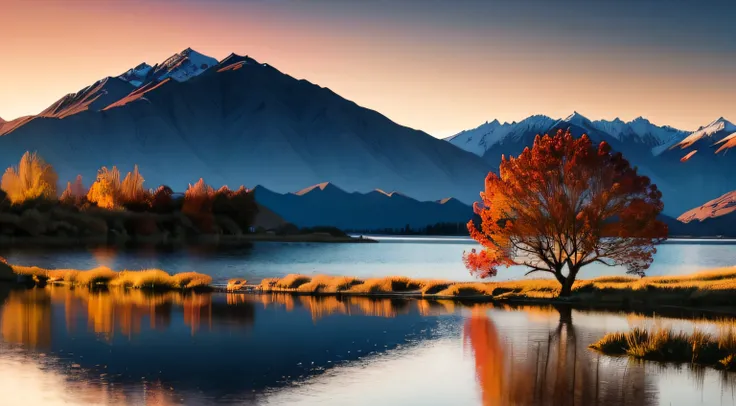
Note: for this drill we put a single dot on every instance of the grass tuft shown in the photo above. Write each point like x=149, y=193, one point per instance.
x=192, y=280
x=100, y=276
x=292, y=281
x=666, y=345
x=390, y=284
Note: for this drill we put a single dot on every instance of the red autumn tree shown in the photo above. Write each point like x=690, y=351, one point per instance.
x=562, y=205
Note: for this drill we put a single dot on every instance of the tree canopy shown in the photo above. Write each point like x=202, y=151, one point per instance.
x=564, y=204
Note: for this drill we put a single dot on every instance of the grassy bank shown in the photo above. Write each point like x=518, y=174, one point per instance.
x=665, y=345
x=154, y=279
x=714, y=290
x=711, y=288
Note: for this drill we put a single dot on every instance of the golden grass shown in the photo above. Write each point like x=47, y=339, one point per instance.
x=717, y=286
x=331, y=284
x=235, y=284
x=268, y=283
x=388, y=284
x=666, y=345
x=193, y=280
x=100, y=275
x=467, y=289
x=145, y=279
x=292, y=281
x=149, y=278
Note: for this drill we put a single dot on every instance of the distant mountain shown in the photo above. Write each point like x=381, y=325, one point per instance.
x=327, y=205
x=688, y=167
x=714, y=218
x=714, y=209
x=236, y=122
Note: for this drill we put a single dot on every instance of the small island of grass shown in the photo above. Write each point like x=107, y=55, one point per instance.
x=666, y=345
x=151, y=279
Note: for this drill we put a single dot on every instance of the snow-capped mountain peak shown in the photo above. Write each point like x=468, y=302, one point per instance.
x=577, y=119
x=136, y=76
x=179, y=67
x=184, y=65
x=718, y=126
x=482, y=138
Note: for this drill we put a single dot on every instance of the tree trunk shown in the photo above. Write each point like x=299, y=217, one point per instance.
x=566, y=290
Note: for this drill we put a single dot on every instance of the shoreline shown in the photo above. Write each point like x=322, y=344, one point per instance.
x=215, y=240
x=712, y=292
x=709, y=292
x=573, y=303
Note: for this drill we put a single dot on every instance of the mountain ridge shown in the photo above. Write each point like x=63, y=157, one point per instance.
x=688, y=167
x=250, y=125
x=374, y=210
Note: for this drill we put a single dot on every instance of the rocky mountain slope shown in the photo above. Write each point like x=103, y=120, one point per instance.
x=689, y=167
x=237, y=122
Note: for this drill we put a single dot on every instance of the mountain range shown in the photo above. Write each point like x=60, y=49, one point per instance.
x=689, y=167
x=327, y=205
x=237, y=121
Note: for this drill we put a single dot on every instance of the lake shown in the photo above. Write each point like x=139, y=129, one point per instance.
x=73, y=346
x=416, y=257
x=76, y=346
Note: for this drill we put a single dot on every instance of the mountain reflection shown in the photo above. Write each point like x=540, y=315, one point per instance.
x=554, y=370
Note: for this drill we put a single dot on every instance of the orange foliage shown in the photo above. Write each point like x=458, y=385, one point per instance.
x=566, y=203
x=198, y=202
x=105, y=192
x=75, y=193
x=110, y=193
x=198, y=198
x=33, y=178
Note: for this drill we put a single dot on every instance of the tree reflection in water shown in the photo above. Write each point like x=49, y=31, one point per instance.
x=26, y=315
x=553, y=370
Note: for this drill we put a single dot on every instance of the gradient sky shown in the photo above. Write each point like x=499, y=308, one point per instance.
x=439, y=66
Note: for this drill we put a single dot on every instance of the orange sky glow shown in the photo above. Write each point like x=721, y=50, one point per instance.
x=435, y=75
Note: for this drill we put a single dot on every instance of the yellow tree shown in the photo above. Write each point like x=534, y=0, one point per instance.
x=33, y=178
x=565, y=204
x=74, y=192
x=131, y=190
x=105, y=192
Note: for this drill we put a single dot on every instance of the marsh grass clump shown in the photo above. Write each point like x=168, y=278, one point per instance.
x=666, y=345
x=147, y=279
x=268, y=283
x=235, y=284
x=390, y=284
x=292, y=281
x=432, y=287
x=329, y=284
x=467, y=289
x=97, y=276
x=155, y=279
x=192, y=280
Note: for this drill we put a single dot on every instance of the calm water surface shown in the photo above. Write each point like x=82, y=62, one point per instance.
x=422, y=257
x=74, y=346
x=64, y=346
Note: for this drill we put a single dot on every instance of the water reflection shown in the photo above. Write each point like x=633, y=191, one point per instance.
x=132, y=347
x=26, y=316
x=558, y=370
